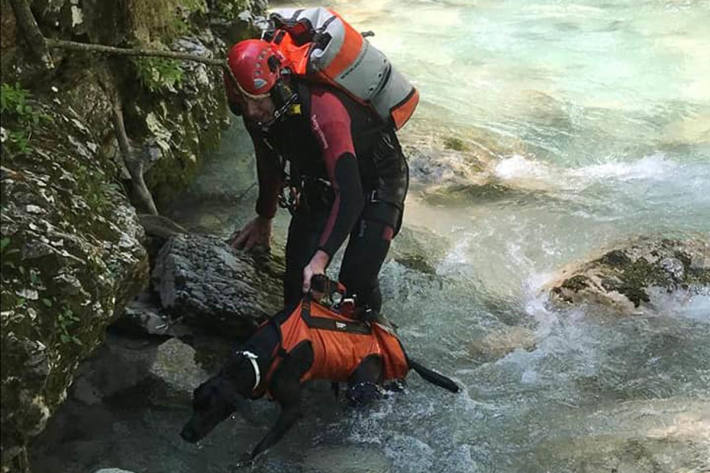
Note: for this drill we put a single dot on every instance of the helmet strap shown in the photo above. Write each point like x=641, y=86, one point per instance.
x=284, y=97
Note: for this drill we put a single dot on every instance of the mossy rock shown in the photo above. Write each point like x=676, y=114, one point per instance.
x=71, y=259
x=623, y=277
x=456, y=144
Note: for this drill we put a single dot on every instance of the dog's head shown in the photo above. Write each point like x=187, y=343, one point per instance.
x=212, y=402
x=215, y=399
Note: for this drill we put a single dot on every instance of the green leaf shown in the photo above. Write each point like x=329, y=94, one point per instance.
x=4, y=242
x=46, y=302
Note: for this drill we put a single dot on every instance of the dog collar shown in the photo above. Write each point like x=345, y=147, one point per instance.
x=257, y=374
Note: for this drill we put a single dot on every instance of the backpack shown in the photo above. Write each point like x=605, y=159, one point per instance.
x=323, y=47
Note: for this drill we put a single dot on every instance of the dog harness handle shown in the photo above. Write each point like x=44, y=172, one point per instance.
x=257, y=374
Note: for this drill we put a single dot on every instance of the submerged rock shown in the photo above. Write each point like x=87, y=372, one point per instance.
x=662, y=435
x=175, y=367
x=623, y=277
x=203, y=280
x=346, y=460
x=500, y=342
x=419, y=249
x=139, y=372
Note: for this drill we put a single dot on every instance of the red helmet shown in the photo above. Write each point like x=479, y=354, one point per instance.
x=252, y=64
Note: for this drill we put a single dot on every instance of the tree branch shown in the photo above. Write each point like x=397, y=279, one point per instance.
x=30, y=30
x=133, y=164
x=100, y=48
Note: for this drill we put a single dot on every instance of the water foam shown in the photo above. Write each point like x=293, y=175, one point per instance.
x=517, y=167
x=653, y=167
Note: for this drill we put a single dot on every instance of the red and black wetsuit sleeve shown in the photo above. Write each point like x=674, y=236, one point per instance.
x=331, y=124
x=268, y=171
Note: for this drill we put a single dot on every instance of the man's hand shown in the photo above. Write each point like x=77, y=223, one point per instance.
x=316, y=266
x=256, y=232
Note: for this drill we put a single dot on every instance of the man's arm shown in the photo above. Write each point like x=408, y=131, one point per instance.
x=268, y=172
x=330, y=122
x=268, y=169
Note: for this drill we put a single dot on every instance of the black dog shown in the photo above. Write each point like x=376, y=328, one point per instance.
x=249, y=373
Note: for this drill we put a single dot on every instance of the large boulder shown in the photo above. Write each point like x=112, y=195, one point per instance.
x=203, y=280
x=625, y=278
x=71, y=260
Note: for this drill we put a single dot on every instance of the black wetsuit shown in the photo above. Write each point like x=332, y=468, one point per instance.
x=351, y=178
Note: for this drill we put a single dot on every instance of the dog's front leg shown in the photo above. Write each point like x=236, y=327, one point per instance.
x=286, y=390
x=289, y=415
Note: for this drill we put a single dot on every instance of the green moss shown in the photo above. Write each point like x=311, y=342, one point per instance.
x=417, y=263
x=615, y=258
x=634, y=277
x=455, y=144
x=163, y=19
x=576, y=283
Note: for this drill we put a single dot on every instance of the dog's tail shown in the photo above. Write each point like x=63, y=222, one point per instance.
x=433, y=377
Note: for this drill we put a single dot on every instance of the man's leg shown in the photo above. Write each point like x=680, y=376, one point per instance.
x=364, y=255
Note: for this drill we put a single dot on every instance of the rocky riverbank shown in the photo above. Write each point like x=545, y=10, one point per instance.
x=72, y=246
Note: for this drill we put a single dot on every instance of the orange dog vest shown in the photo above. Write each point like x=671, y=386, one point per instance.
x=339, y=343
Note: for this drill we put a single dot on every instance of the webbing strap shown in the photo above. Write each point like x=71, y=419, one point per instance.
x=323, y=323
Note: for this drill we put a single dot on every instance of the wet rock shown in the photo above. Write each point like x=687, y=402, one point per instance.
x=178, y=375
x=145, y=317
x=136, y=371
x=203, y=280
x=337, y=459
x=119, y=365
x=499, y=342
x=158, y=229
x=624, y=277
x=419, y=249
x=112, y=470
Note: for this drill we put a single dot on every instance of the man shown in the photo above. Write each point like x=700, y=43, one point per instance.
x=341, y=164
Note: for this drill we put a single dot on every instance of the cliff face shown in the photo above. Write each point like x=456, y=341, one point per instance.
x=71, y=243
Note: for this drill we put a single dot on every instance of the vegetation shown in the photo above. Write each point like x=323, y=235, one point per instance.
x=18, y=118
x=158, y=74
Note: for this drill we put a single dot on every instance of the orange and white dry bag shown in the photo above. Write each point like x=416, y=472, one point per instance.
x=320, y=45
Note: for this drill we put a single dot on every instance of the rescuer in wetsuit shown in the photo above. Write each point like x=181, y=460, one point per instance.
x=340, y=167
